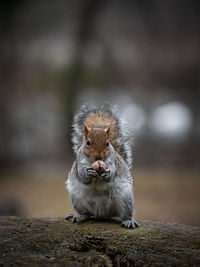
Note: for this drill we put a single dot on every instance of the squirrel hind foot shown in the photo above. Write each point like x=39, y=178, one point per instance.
x=129, y=224
x=78, y=219
x=69, y=216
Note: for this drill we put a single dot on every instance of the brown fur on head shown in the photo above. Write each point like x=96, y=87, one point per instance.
x=96, y=145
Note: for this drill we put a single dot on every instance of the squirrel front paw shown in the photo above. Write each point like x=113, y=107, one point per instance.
x=91, y=173
x=106, y=175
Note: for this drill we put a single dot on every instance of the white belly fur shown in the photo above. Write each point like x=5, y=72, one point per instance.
x=97, y=198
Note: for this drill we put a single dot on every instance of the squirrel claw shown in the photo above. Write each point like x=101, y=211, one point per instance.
x=129, y=224
x=75, y=219
x=69, y=216
x=136, y=224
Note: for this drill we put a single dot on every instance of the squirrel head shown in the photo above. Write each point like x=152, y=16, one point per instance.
x=96, y=142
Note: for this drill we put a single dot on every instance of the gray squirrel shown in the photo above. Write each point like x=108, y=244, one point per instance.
x=103, y=190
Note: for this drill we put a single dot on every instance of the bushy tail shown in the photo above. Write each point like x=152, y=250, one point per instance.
x=123, y=141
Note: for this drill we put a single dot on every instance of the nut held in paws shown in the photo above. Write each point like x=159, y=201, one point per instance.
x=99, y=166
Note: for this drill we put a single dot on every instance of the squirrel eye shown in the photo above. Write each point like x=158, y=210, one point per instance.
x=107, y=143
x=88, y=142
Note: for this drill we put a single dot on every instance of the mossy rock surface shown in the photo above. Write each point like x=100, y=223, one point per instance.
x=57, y=242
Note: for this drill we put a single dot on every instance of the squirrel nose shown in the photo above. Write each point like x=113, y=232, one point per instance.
x=97, y=158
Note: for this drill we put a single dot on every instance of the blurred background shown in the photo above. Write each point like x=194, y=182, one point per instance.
x=143, y=56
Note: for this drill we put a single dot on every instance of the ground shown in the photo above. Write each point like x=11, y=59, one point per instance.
x=57, y=242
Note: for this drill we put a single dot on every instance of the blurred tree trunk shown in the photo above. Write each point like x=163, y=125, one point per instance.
x=8, y=77
x=75, y=73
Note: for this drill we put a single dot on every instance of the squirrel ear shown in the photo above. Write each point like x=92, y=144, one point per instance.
x=107, y=129
x=86, y=129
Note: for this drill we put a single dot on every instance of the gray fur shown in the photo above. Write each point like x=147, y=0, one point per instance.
x=109, y=194
x=103, y=196
x=124, y=139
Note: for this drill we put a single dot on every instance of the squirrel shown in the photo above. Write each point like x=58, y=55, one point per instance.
x=101, y=142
